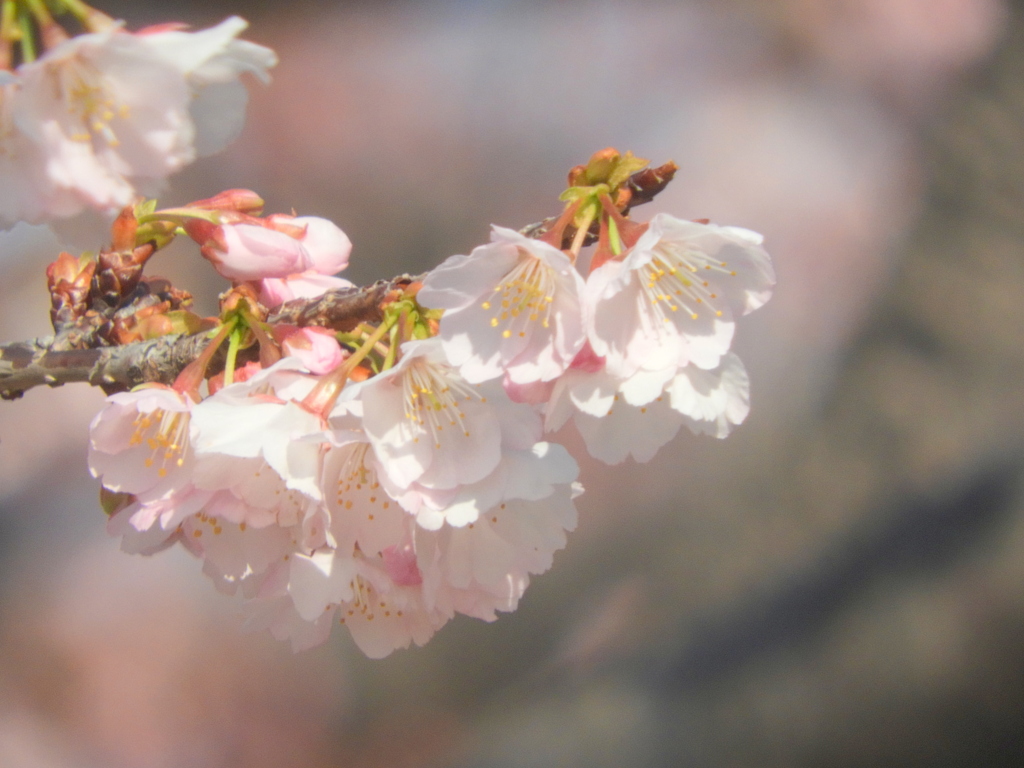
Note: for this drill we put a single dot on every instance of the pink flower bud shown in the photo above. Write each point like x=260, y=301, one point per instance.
x=328, y=247
x=251, y=252
x=317, y=348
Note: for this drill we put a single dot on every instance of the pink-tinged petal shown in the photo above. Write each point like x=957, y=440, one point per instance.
x=305, y=285
x=328, y=247
x=713, y=402
x=645, y=386
x=400, y=564
x=461, y=280
x=251, y=252
x=528, y=475
x=534, y=393
x=317, y=348
x=320, y=580
x=627, y=430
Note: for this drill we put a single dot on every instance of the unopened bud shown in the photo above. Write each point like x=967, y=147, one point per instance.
x=76, y=272
x=601, y=165
x=122, y=231
x=240, y=200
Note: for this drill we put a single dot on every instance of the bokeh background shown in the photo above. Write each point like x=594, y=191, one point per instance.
x=840, y=583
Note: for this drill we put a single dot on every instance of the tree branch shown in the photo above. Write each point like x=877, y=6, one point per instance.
x=87, y=308
x=28, y=364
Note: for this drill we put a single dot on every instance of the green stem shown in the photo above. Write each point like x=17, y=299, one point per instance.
x=192, y=375
x=393, y=341
x=614, y=238
x=234, y=342
x=9, y=32
x=582, y=229
x=27, y=38
x=41, y=13
x=270, y=352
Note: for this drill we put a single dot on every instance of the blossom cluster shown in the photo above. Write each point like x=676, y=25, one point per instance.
x=100, y=116
x=386, y=471
x=632, y=353
x=388, y=477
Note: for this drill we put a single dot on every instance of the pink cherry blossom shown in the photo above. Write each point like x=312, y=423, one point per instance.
x=140, y=441
x=672, y=300
x=212, y=61
x=510, y=306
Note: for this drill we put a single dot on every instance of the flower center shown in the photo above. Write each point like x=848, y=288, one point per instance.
x=358, y=477
x=523, y=296
x=432, y=396
x=676, y=279
x=166, y=434
x=367, y=601
x=86, y=97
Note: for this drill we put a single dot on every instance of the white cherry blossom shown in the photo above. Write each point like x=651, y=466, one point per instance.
x=673, y=298
x=429, y=425
x=636, y=416
x=512, y=306
x=212, y=61
x=104, y=115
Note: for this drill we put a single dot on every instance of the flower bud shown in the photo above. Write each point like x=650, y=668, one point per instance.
x=242, y=252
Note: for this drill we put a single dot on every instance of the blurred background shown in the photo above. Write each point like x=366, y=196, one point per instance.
x=840, y=583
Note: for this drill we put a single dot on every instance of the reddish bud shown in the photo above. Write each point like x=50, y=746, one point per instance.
x=203, y=232
x=122, y=231
x=578, y=176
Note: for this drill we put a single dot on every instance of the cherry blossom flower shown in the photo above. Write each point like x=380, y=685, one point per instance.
x=103, y=114
x=638, y=415
x=510, y=306
x=429, y=425
x=673, y=299
x=141, y=441
x=211, y=61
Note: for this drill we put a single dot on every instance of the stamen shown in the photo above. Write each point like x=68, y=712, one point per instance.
x=525, y=294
